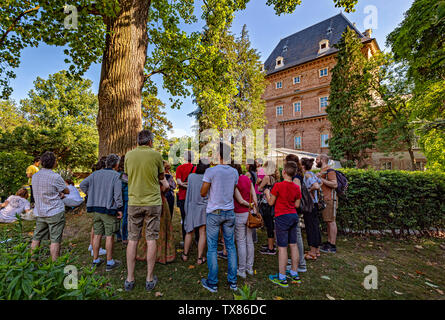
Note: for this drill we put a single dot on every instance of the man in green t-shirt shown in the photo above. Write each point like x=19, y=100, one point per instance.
x=145, y=169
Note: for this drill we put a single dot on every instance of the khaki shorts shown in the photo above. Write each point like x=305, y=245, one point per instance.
x=136, y=217
x=105, y=224
x=330, y=212
x=50, y=228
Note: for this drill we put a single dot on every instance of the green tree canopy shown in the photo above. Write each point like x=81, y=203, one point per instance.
x=134, y=40
x=349, y=109
x=154, y=119
x=60, y=116
x=245, y=109
x=10, y=116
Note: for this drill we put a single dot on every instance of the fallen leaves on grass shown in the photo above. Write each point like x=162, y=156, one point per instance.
x=396, y=277
x=419, y=272
x=440, y=291
x=418, y=247
x=158, y=294
x=278, y=298
x=431, y=285
x=325, y=277
x=191, y=266
x=330, y=297
x=399, y=293
x=442, y=246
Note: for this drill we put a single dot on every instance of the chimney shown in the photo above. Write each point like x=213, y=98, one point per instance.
x=368, y=33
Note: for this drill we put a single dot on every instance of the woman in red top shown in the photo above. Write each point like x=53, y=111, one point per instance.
x=244, y=195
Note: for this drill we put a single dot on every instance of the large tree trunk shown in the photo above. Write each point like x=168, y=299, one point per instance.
x=122, y=78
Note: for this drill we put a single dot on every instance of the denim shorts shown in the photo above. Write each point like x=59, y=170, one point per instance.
x=286, y=229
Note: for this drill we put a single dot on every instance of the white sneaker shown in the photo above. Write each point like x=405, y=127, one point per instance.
x=90, y=248
x=241, y=274
x=101, y=252
x=249, y=272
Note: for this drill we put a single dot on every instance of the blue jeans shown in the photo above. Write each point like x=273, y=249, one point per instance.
x=123, y=230
x=226, y=220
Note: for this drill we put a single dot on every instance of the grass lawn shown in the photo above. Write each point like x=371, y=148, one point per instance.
x=405, y=266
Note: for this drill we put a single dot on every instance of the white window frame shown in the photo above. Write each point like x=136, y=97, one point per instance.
x=278, y=85
x=322, y=42
x=281, y=60
x=293, y=106
x=300, y=141
x=276, y=111
x=385, y=164
x=297, y=80
x=326, y=102
x=323, y=142
x=321, y=72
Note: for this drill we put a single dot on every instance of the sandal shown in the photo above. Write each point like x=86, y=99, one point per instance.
x=310, y=256
x=201, y=261
x=184, y=257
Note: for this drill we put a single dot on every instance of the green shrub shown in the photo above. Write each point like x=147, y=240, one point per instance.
x=21, y=278
x=390, y=200
x=13, y=172
x=245, y=294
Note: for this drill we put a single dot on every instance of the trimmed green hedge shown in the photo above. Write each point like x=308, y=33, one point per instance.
x=390, y=200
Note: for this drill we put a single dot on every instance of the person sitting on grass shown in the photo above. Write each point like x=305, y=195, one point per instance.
x=104, y=189
x=15, y=204
x=73, y=199
x=286, y=197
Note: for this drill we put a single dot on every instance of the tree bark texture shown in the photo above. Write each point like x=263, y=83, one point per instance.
x=122, y=78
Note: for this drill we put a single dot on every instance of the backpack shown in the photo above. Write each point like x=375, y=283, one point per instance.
x=342, y=183
x=306, y=204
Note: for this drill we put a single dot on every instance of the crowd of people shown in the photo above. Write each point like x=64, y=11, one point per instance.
x=132, y=198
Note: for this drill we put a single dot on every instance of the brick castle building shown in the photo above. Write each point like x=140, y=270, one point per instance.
x=299, y=75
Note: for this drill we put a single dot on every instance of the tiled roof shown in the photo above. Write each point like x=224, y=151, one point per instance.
x=303, y=46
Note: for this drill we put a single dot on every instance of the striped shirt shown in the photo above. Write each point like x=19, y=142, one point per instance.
x=47, y=186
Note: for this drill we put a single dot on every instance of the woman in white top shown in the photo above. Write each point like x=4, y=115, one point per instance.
x=73, y=199
x=14, y=205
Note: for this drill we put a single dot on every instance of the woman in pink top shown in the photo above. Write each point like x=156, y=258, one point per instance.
x=244, y=193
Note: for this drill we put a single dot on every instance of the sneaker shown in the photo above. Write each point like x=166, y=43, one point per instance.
x=241, y=274
x=209, y=287
x=102, y=252
x=150, y=285
x=275, y=279
x=116, y=264
x=328, y=248
x=128, y=285
x=97, y=264
x=250, y=272
x=222, y=255
x=302, y=269
x=233, y=286
x=268, y=251
x=293, y=279
x=299, y=269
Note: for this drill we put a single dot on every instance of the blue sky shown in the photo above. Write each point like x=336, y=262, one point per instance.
x=265, y=31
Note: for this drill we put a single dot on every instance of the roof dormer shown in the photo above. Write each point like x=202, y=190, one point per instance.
x=323, y=46
x=279, y=62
